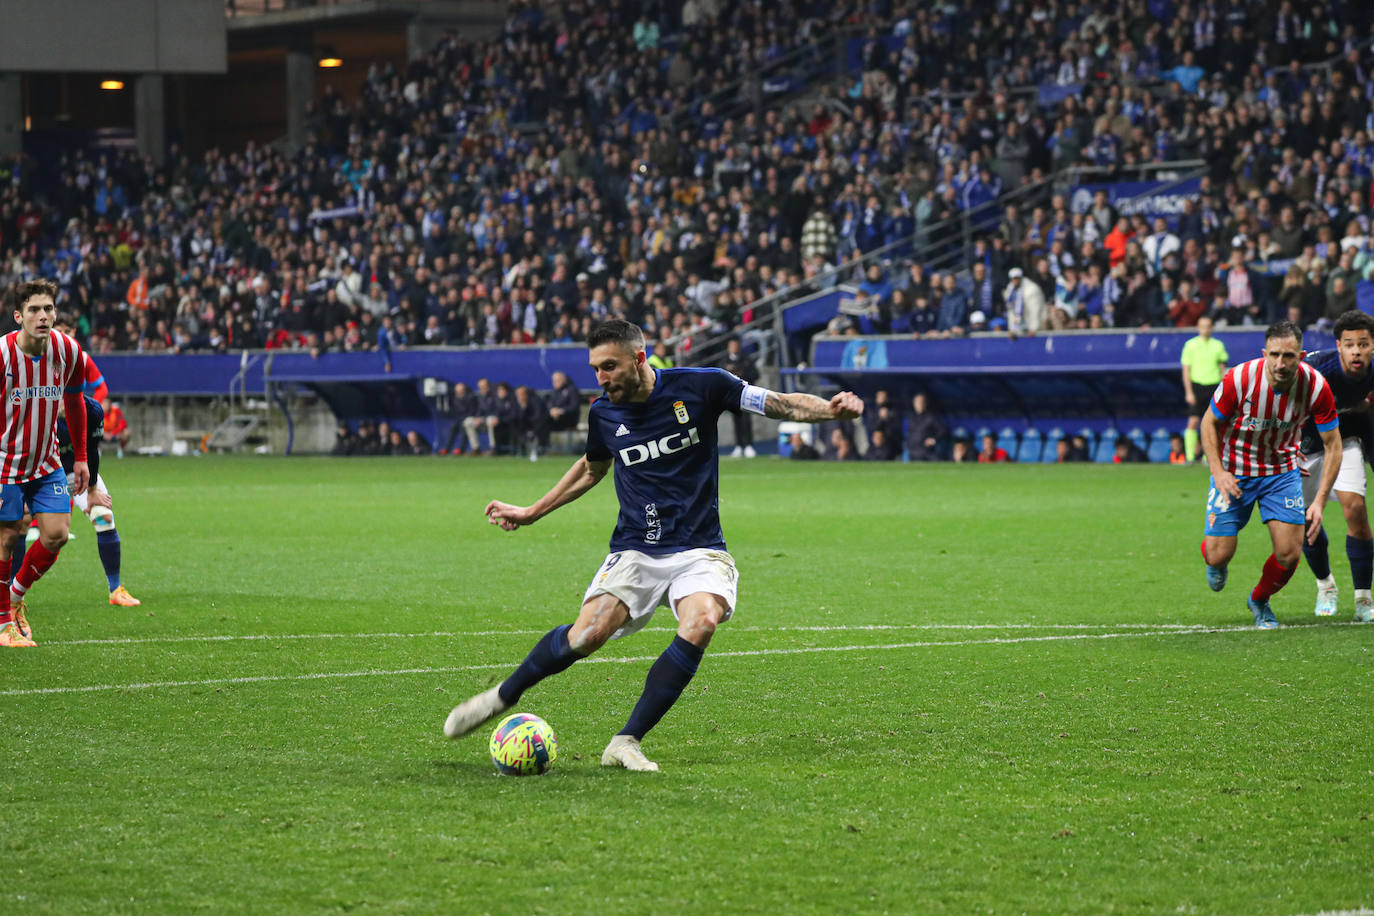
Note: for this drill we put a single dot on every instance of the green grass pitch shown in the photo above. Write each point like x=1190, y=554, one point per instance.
x=946, y=689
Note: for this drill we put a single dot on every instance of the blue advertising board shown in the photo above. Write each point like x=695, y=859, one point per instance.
x=1147, y=198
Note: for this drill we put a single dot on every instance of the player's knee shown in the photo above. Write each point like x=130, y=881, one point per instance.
x=1288, y=555
x=1220, y=552
x=53, y=542
x=698, y=624
x=586, y=638
x=102, y=518
x=1357, y=520
x=698, y=630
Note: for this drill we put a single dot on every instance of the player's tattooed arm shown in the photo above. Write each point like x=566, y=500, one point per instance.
x=807, y=408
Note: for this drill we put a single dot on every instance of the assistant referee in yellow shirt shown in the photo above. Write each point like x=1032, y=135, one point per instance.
x=1204, y=363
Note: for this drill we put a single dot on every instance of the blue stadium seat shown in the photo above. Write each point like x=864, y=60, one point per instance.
x=1159, y=445
x=1137, y=435
x=1008, y=440
x=1050, y=454
x=1106, y=447
x=1032, y=444
x=1090, y=437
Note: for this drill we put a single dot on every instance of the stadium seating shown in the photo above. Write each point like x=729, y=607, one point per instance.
x=616, y=195
x=1105, y=449
x=1007, y=440
x=1032, y=445
x=1159, y=445
x=1050, y=453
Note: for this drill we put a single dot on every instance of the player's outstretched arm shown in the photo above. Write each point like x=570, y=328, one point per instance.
x=581, y=477
x=807, y=408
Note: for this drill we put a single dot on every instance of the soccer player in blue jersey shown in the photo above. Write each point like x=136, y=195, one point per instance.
x=658, y=428
x=1347, y=370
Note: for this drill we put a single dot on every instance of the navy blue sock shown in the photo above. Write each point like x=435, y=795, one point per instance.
x=1361, y=554
x=549, y=656
x=1317, y=556
x=668, y=677
x=107, y=543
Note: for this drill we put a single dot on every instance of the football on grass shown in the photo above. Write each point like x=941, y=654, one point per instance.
x=523, y=745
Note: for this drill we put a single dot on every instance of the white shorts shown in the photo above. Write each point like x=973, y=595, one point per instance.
x=646, y=583
x=1349, y=479
x=98, y=485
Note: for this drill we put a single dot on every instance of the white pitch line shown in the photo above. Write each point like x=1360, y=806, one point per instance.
x=738, y=653
x=837, y=628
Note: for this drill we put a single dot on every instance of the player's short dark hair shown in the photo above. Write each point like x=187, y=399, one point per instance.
x=1353, y=320
x=1283, y=329
x=618, y=331
x=21, y=293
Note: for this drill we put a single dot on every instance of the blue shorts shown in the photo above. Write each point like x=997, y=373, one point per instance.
x=1279, y=497
x=45, y=494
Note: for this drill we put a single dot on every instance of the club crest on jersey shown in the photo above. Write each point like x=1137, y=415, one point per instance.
x=657, y=448
x=680, y=411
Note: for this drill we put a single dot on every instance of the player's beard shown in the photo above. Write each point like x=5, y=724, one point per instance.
x=626, y=390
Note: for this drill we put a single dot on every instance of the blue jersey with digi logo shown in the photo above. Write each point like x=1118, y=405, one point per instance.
x=667, y=471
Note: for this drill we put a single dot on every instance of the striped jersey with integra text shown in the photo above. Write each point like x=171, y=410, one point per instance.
x=1265, y=426
x=33, y=392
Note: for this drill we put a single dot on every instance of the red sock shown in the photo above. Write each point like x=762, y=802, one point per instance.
x=37, y=561
x=1204, y=551
x=1271, y=580
x=6, y=615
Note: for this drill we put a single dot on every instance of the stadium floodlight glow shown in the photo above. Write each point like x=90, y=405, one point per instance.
x=329, y=58
x=112, y=85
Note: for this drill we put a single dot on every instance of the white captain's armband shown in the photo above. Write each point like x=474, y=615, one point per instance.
x=753, y=398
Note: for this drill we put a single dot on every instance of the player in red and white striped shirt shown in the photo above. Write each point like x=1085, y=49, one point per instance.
x=41, y=367
x=1251, y=436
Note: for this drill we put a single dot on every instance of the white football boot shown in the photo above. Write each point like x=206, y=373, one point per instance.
x=1326, y=601
x=1364, y=610
x=623, y=751
x=473, y=711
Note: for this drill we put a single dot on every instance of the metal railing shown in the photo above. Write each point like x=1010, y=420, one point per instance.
x=817, y=59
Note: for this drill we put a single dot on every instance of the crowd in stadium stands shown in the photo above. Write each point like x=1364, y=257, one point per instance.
x=518, y=190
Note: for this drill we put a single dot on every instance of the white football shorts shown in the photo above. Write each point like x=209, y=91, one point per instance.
x=81, y=501
x=1349, y=479
x=646, y=583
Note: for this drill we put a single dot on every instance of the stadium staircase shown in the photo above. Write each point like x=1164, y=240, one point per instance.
x=233, y=433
